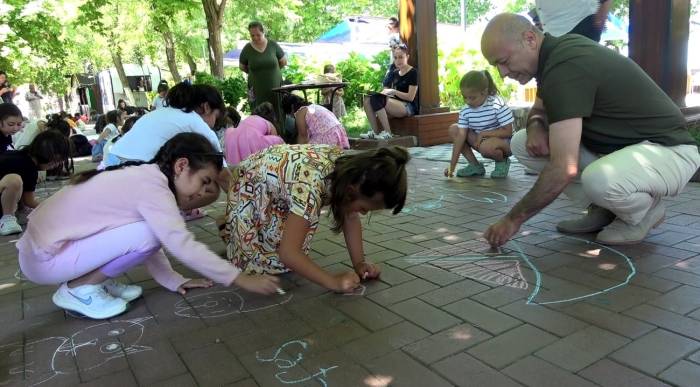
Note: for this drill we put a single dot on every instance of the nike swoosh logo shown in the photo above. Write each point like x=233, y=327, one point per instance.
x=86, y=301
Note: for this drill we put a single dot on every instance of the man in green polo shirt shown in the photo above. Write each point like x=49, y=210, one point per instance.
x=600, y=131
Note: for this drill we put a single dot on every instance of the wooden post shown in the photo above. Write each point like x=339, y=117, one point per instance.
x=658, y=42
x=418, y=25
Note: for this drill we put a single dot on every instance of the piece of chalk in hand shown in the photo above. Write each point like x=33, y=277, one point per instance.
x=364, y=275
x=281, y=291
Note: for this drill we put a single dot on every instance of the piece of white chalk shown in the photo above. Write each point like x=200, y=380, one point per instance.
x=281, y=291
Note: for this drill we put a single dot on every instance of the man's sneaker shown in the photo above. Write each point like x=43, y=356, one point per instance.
x=9, y=225
x=369, y=135
x=90, y=300
x=471, y=170
x=384, y=136
x=596, y=218
x=501, y=169
x=621, y=233
x=125, y=292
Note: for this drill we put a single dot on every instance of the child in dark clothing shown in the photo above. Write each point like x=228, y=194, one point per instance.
x=11, y=122
x=19, y=171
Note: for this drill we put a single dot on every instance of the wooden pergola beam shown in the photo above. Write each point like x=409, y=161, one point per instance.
x=658, y=42
x=418, y=25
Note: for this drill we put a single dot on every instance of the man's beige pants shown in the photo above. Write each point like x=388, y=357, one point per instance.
x=627, y=182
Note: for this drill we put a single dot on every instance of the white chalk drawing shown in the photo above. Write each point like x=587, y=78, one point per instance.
x=425, y=206
x=480, y=268
x=227, y=302
x=358, y=291
x=484, y=196
x=286, y=365
x=89, y=348
x=19, y=276
x=474, y=259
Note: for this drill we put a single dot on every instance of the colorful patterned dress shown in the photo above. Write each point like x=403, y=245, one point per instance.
x=265, y=188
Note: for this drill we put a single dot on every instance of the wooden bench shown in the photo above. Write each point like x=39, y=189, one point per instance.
x=429, y=129
x=692, y=116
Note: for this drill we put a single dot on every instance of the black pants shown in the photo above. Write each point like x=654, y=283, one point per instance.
x=587, y=28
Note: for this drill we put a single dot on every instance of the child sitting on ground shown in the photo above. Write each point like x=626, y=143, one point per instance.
x=83, y=244
x=11, y=122
x=275, y=200
x=485, y=125
x=19, y=172
x=113, y=119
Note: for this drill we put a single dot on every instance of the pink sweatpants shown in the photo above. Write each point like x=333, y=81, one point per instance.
x=112, y=252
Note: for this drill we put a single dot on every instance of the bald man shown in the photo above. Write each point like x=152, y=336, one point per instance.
x=600, y=131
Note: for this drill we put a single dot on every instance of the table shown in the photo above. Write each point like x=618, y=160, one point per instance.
x=303, y=87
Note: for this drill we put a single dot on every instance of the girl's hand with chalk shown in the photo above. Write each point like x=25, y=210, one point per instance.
x=194, y=283
x=367, y=270
x=263, y=284
x=346, y=282
x=449, y=171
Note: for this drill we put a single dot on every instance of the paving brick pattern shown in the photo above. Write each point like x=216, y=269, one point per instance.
x=546, y=310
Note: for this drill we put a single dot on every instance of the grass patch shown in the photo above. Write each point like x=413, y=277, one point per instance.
x=355, y=122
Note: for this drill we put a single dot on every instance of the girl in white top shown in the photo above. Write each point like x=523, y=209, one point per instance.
x=485, y=125
x=191, y=108
x=110, y=131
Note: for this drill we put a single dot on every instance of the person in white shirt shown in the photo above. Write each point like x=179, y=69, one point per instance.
x=583, y=17
x=159, y=100
x=191, y=108
x=34, y=99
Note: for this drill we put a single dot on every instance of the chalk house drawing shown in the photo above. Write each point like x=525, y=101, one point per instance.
x=90, y=348
x=475, y=260
x=286, y=366
x=223, y=303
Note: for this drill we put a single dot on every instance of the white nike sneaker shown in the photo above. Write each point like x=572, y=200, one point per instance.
x=369, y=135
x=9, y=225
x=90, y=300
x=125, y=292
x=384, y=135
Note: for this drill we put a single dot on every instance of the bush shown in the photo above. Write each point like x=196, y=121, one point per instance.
x=455, y=65
x=362, y=75
x=297, y=70
x=233, y=88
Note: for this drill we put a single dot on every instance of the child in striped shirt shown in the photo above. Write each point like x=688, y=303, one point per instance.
x=485, y=125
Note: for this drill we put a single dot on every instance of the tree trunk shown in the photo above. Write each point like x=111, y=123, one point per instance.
x=191, y=63
x=117, y=59
x=170, y=53
x=214, y=11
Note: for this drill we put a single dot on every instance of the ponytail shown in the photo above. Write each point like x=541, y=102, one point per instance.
x=380, y=171
x=492, y=90
x=479, y=80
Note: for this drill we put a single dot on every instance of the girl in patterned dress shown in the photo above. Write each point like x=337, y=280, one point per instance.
x=275, y=201
x=314, y=123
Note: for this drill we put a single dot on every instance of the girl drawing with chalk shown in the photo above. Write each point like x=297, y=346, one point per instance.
x=275, y=201
x=83, y=244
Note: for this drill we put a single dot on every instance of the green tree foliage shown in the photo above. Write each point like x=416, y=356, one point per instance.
x=363, y=75
x=233, y=88
x=32, y=48
x=447, y=11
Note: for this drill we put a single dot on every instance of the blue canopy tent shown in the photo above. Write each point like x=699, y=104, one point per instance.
x=615, y=29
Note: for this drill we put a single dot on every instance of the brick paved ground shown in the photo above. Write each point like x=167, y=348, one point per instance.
x=547, y=310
